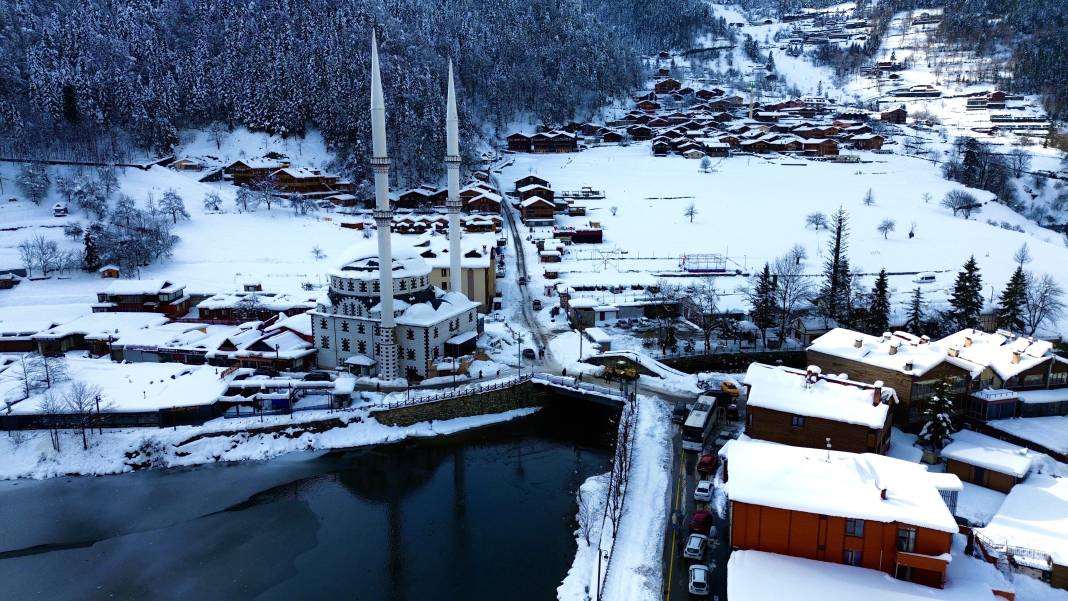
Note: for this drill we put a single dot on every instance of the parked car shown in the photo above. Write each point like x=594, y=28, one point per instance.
x=698, y=580
x=703, y=492
x=536, y=304
x=707, y=464
x=522, y=280
x=730, y=388
x=695, y=547
x=700, y=521
x=266, y=371
x=317, y=376
x=679, y=413
x=924, y=278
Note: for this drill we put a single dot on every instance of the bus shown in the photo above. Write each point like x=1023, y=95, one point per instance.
x=699, y=423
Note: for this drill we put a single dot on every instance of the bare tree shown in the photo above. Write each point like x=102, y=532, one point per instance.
x=1022, y=256
x=41, y=254
x=886, y=226
x=265, y=191
x=1043, y=301
x=869, y=198
x=816, y=221
x=621, y=463
x=613, y=210
x=663, y=296
x=245, y=200
x=702, y=300
x=1019, y=160
x=317, y=253
x=691, y=212
x=212, y=201
x=960, y=201
x=33, y=372
x=587, y=516
x=85, y=404
x=792, y=289
x=51, y=410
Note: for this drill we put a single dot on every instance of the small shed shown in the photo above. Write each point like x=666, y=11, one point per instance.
x=110, y=272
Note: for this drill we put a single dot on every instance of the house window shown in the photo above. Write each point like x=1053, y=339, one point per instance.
x=854, y=528
x=410, y=354
x=344, y=326
x=410, y=334
x=1058, y=378
x=322, y=323
x=361, y=346
x=749, y=419
x=359, y=328
x=470, y=317
x=345, y=345
x=435, y=333
x=350, y=286
x=403, y=284
x=906, y=540
x=363, y=286
x=851, y=558
x=325, y=342
x=797, y=421
x=444, y=272
x=1033, y=380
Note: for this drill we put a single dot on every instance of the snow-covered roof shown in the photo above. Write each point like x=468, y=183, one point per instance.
x=984, y=451
x=127, y=287
x=300, y=323
x=532, y=187
x=792, y=391
x=533, y=200
x=835, y=483
x=447, y=306
x=102, y=325
x=1034, y=515
x=1053, y=395
x=901, y=351
x=1005, y=354
x=264, y=300
x=366, y=267
x=1050, y=432
x=811, y=580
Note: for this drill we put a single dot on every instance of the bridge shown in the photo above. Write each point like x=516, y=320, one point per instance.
x=539, y=382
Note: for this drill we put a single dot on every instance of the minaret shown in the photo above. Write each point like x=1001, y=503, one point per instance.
x=387, y=341
x=452, y=162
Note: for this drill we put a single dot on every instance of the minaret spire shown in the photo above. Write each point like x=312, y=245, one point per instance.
x=388, y=368
x=452, y=163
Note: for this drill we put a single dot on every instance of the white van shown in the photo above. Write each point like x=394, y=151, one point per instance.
x=924, y=278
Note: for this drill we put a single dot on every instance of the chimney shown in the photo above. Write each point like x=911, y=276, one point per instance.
x=908, y=366
x=893, y=349
x=925, y=339
x=1016, y=357
x=858, y=342
x=967, y=341
x=877, y=393
x=954, y=351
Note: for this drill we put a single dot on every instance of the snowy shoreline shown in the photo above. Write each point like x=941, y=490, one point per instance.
x=29, y=455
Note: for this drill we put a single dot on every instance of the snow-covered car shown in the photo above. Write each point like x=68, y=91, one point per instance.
x=703, y=492
x=924, y=278
x=698, y=580
x=695, y=547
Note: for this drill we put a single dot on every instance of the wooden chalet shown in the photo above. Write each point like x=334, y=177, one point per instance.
x=821, y=148
x=537, y=209
x=553, y=141
x=250, y=171
x=519, y=142
x=666, y=86
x=640, y=132
x=867, y=141
x=528, y=180
x=898, y=115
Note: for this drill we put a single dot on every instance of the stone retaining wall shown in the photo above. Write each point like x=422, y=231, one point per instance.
x=497, y=401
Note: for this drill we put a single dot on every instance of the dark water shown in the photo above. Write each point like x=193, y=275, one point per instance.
x=487, y=515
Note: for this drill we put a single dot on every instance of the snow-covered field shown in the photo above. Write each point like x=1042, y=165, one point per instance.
x=753, y=209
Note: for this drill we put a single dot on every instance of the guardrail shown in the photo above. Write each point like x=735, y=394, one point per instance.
x=462, y=391
x=572, y=383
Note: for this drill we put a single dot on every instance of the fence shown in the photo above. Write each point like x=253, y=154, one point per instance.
x=455, y=393
x=1033, y=558
x=572, y=383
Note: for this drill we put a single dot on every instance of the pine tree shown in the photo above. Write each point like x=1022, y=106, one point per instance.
x=914, y=323
x=937, y=416
x=966, y=303
x=762, y=301
x=1012, y=301
x=834, y=292
x=879, y=311
x=90, y=256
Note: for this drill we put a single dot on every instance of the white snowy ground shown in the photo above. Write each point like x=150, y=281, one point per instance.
x=753, y=209
x=635, y=571
x=30, y=454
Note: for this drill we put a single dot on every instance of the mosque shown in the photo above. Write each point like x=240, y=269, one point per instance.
x=392, y=322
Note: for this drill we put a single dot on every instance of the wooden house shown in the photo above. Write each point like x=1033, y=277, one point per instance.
x=528, y=180
x=136, y=296
x=649, y=106
x=805, y=408
x=898, y=115
x=536, y=209
x=862, y=510
x=821, y=148
x=554, y=141
x=757, y=146
x=661, y=148
x=250, y=171
x=532, y=190
x=640, y=133
x=483, y=203
x=986, y=461
x=666, y=86
x=611, y=137
x=518, y=142
x=110, y=272
x=867, y=141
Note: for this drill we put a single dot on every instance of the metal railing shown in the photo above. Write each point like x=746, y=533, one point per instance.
x=459, y=392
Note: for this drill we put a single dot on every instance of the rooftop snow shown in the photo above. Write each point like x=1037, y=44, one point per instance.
x=997, y=351
x=104, y=324
x=799, y=479
x=1034, y=515
x=983, y=451
x=787, y=390
x=1050, y=432
x=810, y=580
x=452, y=304
x=142, y=287
x=875, y=350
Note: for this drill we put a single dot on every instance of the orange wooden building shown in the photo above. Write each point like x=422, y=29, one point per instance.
x=855, y=509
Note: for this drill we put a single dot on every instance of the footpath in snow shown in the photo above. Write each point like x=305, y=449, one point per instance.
x=634, y=570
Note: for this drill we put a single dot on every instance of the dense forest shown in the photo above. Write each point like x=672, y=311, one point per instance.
x=135, y=72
